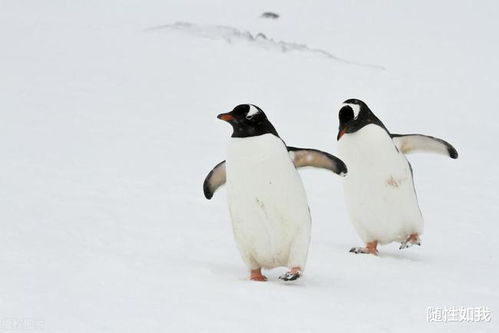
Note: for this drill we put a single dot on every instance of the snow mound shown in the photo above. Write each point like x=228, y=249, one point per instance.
x=232, y=35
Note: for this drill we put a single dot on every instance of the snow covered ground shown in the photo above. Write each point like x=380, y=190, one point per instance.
x=108, y=128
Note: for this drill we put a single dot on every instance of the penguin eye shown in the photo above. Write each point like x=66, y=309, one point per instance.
x=249, y=117
x=346, y=114
x=349, y=112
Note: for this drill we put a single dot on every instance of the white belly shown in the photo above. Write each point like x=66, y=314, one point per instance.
x=379, y=189
x=267, y=203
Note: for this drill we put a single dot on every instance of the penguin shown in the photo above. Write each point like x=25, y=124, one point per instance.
x=379, y=190
x=267, y=201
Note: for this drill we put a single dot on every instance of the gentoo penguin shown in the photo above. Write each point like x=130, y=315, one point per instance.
x=379, y=190
x=267, y=201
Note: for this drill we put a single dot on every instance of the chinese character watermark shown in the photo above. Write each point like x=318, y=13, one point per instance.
x=21, y=324
x=458, y=314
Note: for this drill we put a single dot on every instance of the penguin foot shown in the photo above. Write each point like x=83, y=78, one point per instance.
x=413, y=239
x=256, y=275
x=288, y=276
x=371, y=248
x=358, y=250
x=292, y=275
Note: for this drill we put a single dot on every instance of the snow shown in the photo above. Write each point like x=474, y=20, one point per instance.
x=108, y=128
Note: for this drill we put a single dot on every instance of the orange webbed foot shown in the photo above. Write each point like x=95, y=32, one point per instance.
x=412, y=239
x=371, y=248
x=292, y=275
x=256, y=275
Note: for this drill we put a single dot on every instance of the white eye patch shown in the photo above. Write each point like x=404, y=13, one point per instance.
x=252, y=111
x=355, y=108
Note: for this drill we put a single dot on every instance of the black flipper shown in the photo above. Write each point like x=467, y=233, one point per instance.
x=409, y=143
x=303, y=157
x=214, y=180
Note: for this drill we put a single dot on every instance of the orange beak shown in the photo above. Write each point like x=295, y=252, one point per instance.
x=340, y=134
x=225, y=116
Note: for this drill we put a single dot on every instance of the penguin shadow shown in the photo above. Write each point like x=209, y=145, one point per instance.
x=215, y=269
x=274, y=274
x=241, y=274
x=231, y=271
x=409, y=255
x=388, y=251
x=402, y=256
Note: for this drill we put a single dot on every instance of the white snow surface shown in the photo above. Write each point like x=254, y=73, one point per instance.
x=108, y=128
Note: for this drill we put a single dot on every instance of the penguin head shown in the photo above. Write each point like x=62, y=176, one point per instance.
x=355, y=114
x=248, y=120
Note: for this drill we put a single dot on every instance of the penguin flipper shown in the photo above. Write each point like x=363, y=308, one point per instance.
x=303, y=157
x=214, y=180
x=409, y=143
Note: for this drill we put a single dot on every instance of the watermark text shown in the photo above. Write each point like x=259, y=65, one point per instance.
x=450, y=314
